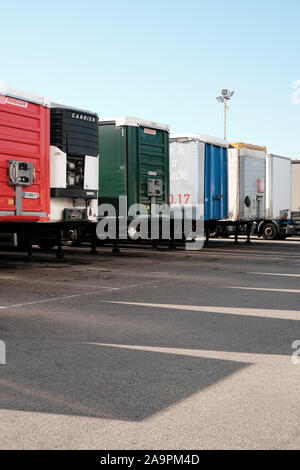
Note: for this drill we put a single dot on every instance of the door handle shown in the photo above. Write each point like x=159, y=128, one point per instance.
x=13, y=172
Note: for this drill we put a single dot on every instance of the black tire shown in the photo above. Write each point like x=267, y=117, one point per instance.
x=269, y=231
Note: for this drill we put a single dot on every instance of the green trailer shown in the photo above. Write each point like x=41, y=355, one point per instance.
x=134, y=162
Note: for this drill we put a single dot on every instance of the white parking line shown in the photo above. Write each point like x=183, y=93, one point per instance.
x=275, y=274
x=252, y=312
x=73, y=296
x=267, y=289
x=54, y=299
x=208, y=354
x=57, y=283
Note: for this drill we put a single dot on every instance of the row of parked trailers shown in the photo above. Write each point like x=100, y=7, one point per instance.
x=238, y=183
x=58, y=163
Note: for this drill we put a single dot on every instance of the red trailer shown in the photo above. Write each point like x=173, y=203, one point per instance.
x=24, y=158
x=48, y=190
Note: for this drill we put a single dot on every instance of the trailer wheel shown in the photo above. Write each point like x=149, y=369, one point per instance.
x=269, y=231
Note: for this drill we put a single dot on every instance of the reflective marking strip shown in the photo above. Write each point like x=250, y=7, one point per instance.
x=19, y=193
x=26, y=214
x=40, y=214
x=5, y=213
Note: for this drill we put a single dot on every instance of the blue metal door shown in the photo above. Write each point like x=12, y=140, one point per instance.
x=216, y=180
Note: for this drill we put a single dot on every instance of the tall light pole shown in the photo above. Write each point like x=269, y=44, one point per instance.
x=226, y=95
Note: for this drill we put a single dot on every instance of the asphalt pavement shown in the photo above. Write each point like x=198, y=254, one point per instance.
x=151, y=349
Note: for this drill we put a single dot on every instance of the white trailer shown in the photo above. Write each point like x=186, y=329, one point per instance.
x=277, y=223
x=246, y=182
x=278, y=188
x=295, y=193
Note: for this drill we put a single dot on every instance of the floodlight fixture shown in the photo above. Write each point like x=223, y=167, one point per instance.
x=226, y=95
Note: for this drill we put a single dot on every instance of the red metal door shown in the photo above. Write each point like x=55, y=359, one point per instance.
x=24, y=137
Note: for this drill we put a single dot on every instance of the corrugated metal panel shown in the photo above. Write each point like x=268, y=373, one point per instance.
x=74, y=132
x=216, y=182
x=24, y=136
x=153, y=161
x=129, y=156
x=112, y=164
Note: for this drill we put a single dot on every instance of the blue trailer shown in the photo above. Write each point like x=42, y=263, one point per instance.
x=199, y=176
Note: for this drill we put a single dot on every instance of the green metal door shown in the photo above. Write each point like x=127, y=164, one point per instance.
x=112, y=164
x=147, y=157
x=129, y=156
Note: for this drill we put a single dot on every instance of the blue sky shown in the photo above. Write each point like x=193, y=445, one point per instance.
x=164, y=61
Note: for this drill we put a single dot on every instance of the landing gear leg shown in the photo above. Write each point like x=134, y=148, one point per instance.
x=237, y=232
x=94, y=244
x=116, y=249
x=29, y=247
x=59, y=253
x=172, y=245
x=249, y=227
x=207, y=234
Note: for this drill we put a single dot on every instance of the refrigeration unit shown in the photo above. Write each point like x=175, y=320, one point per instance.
x=74, y=164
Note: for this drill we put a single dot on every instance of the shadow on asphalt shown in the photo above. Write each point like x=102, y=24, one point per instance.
x=103, y=382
